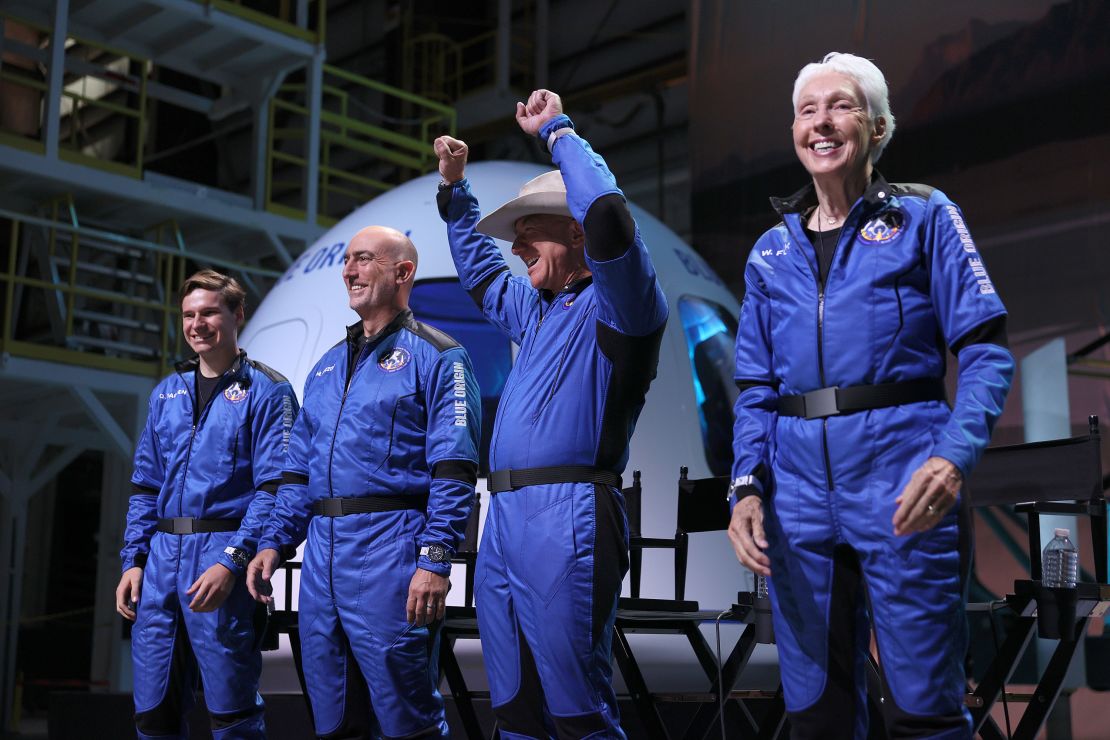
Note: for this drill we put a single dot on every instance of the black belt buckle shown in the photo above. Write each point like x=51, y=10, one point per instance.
x=182, y=525
x=501, y=480
x=821, y=403
x=330, y=506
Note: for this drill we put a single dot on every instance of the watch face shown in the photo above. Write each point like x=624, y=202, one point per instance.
x=239, y=557
x=437, y=553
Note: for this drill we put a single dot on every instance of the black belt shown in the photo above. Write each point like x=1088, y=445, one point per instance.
x=835, y=400
x=510, y=480
x=188, y=525
x=339, y=506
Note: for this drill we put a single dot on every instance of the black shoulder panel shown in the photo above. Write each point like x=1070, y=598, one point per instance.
x=635, y=361
x=609, y=228
x=433, y=336
x=912, y=188
x=268, y=371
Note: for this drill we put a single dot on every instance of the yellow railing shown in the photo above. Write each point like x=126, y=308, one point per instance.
x=64, y=237
x=283, y=20
x=347, y=139
x=441, y=68
x=25, y=95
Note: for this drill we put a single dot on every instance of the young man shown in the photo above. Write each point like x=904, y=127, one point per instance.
x=380, y=478
x=206, y=471
x=589, y=320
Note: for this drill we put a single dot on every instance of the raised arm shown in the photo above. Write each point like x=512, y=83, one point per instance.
x=629, y=296
x=508, y=302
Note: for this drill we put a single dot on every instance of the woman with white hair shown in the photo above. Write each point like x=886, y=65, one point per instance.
x=848, y=460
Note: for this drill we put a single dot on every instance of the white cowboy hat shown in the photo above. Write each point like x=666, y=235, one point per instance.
x=544, y=194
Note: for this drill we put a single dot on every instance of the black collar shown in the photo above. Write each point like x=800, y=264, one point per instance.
x=576, y=287
x=875, y=195
x=354, y=331
x=193, y=365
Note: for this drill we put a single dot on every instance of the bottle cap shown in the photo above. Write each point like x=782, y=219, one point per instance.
x=1063, y=532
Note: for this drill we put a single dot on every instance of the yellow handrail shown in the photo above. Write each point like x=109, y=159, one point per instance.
x=167, y=272
x=282, y=21
x=405, y=143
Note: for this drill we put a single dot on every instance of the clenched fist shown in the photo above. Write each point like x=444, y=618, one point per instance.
x=542, y=106
x=452, y=157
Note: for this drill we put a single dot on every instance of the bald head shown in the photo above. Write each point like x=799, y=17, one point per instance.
x=378, y=271
x=387, y=243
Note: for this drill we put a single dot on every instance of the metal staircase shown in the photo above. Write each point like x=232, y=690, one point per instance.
x=79, y=293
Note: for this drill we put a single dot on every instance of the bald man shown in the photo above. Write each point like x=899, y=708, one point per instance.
x=380, y=477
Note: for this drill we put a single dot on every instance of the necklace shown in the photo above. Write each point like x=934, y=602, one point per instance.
x=830, y=220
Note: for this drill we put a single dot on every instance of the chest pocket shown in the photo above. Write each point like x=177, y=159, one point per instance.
x=227, y=442
x=381, y=412
x=888, y=249
x=564, y=332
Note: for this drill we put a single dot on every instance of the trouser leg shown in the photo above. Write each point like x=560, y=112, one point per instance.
x=398, y=659
x=840, y=708
x=565, y=553
x=917, y=586
x=515, y=692
x=165, y=672
x=226, y=645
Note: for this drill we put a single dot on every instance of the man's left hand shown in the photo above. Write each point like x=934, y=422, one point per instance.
x=211, y=588
x=931, y=492
x=427, y=597
x=542, y=106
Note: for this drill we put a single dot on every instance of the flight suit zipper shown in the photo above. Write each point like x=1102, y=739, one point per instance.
x=198, y=419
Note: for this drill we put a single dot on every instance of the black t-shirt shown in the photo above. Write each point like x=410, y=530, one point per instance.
x=205, y=388
x=824, y=243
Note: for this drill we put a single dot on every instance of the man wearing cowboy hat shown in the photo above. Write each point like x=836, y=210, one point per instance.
x=588, y=319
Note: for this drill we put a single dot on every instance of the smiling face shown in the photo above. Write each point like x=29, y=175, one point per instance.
x=377, y=271
x=552, y=250
x=209, y=326
x=833, y=133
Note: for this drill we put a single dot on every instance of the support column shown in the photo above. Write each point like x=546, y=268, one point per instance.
x=504, y=41
x=13, y=535
x=111, y=656
x=314, y=91
x=54, y=77
x=110, y=652
x=260, y=134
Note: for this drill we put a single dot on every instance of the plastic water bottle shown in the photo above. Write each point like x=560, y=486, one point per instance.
x=1060, y=561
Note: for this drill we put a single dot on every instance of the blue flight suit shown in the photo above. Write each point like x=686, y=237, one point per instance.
x=905, y=282
x=222, y=462
x=553, y=556
x=392, y=419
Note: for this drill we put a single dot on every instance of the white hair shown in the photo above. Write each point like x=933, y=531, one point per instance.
x=870, y=80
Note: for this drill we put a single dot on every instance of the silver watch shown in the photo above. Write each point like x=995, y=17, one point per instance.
x=435, y=553
x=240, y=557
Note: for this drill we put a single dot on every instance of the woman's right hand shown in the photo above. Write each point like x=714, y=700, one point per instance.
x=745, y=532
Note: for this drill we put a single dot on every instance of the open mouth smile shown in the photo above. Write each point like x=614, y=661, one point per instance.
x=825, y=146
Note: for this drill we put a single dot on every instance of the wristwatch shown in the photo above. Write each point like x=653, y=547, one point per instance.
x=435, y=553
x=240, y=557
x=741, y=482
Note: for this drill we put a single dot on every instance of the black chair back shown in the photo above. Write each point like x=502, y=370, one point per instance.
x=1059, y=476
